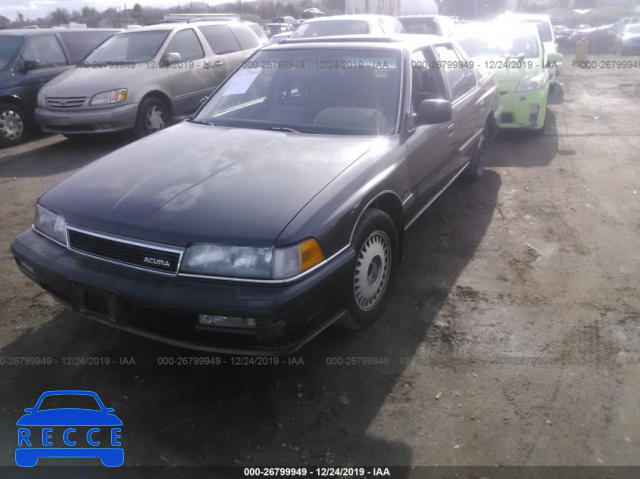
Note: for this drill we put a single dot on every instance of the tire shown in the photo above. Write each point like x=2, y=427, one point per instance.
x=543, y=129
x=153, y=115
x=475, y=168
x=376, y=245
x=13, y=125
x=552, y=87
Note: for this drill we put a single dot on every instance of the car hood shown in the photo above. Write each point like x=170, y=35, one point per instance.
x=87, y=81
x=69, y=417
x=194, y=183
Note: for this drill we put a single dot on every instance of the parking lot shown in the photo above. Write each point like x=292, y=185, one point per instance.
x=511, y=337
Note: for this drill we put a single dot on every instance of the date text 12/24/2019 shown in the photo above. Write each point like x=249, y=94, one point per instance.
x=317, y=471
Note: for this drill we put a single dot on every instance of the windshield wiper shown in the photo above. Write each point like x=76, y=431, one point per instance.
x=201, y=122
x=282, y=128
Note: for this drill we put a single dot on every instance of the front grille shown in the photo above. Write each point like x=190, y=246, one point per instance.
x=68, y=102
x=113, y=249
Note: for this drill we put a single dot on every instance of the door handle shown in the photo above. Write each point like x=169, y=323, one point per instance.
x=450, y=129
x=218, y=63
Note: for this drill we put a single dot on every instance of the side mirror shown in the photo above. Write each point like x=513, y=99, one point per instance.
x=29, y=410
x=554, y=57
x=109, y=410
x=171, y=58
x=29, y=65
x=434, y=111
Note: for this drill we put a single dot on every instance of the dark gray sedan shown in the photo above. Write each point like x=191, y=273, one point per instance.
x=276, y=211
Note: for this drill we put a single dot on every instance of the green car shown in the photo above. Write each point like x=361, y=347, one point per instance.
x=520, y=65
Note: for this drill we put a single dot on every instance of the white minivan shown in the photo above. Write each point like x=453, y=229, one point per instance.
x=144, y=79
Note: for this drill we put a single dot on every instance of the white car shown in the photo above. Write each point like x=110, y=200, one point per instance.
x=349, y=25
x=428, y=24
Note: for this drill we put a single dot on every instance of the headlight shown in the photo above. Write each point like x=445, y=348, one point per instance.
x=251, y=263
x=108, y=97
x=51, y=225
x=41, y=100
x=531, y=82
x=234, y=261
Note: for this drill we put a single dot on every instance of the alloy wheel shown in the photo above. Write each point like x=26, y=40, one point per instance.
x=371, y=274
x=11, y=124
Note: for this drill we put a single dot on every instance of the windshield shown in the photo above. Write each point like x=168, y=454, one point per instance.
x=9, y=47
x=257, y=29
x=331, y=28
x=330, y=91
x=478, y=43
x=635, y=29
x=134, y=47
x=66, y=401
x=544, y=30
x=420, y=25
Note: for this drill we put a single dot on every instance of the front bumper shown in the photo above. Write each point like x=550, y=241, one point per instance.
x=101, y=120
x=28, y=457
x=166, y=309
x=524, y=110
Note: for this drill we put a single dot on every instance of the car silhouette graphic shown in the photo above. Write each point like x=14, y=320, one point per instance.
x=46, y=427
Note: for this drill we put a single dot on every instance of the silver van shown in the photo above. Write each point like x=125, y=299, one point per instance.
x=144, y=79
x=31, y=57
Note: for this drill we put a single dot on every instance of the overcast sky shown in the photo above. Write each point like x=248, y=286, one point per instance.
x=40, y=8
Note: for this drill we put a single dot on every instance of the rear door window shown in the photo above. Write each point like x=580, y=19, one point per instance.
x=79, y=44
x=246, y=38
x=220, y=39
x=46, y=50
x=186, y=43
x=457, y=70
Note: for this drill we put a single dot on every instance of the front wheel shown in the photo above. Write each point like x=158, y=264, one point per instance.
x=153, y=116
x=376, y=244
x=475, y=168
x=13, y=125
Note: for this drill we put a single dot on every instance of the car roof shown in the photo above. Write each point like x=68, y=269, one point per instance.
x=523, y=18
x=181, y=25
x=366, y=17
x=386, y=42
x=425, y=16
x=30, y=32
x=502, y=26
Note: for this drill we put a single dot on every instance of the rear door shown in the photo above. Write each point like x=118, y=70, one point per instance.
x=227, y=52
x=430, y=148
x=467, y=101
x=190, y=80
